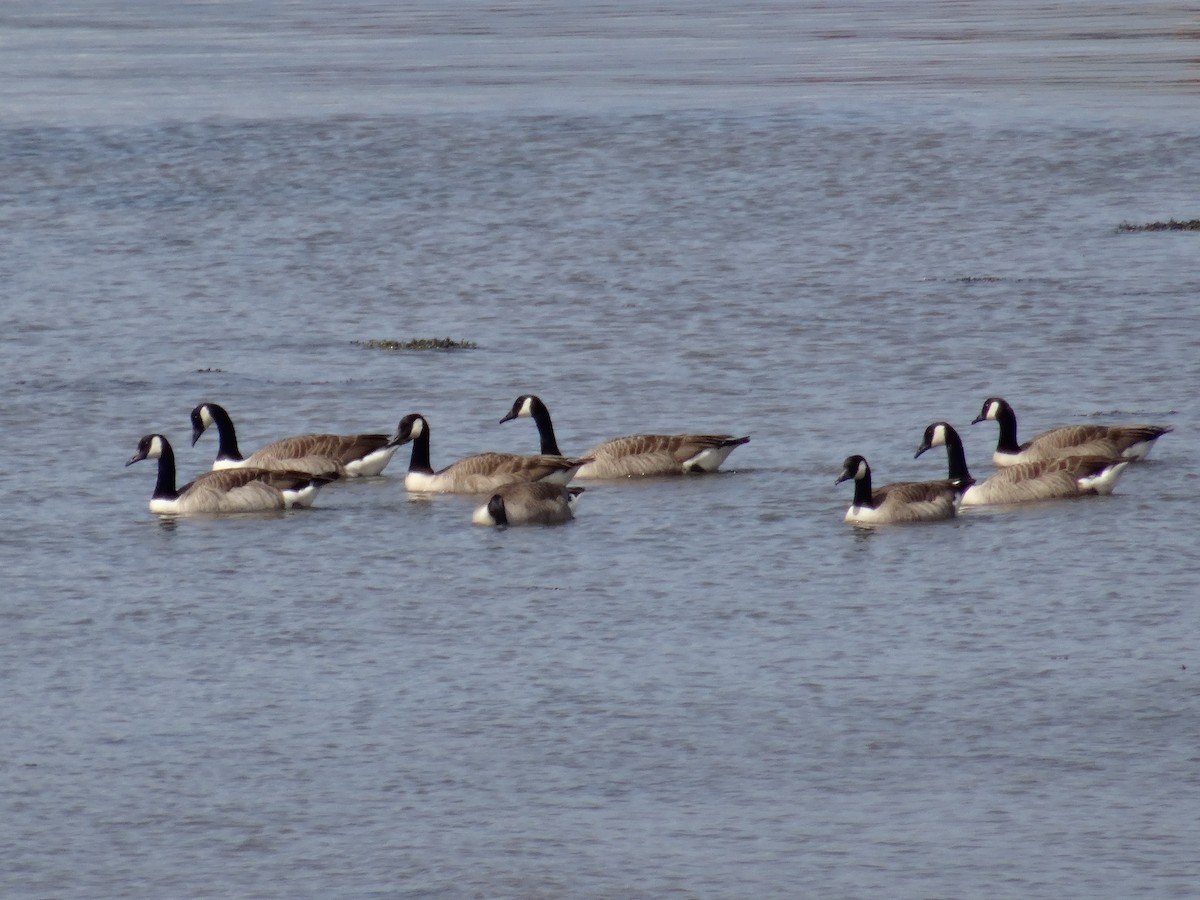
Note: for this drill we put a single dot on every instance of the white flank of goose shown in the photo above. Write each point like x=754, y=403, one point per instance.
x=1133, y=441
x=528, y=503
x=902, y=501
x=477, y=474
x=229, y=491
x=1053, y=478
x=348, y=455
x=635, y=454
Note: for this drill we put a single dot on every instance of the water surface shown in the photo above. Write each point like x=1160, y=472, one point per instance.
x=821, y=226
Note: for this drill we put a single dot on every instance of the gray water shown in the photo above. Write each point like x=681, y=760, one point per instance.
x=822, y=225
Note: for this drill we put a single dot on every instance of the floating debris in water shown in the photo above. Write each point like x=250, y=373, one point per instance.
x=210, y=370
x=1170, y=225
x=417, y=344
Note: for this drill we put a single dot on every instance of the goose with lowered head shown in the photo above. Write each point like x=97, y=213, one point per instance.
x=528, y=503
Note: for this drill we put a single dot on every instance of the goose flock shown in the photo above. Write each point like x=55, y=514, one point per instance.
x=520, y=489
x=1066, y=461
x=517, y=489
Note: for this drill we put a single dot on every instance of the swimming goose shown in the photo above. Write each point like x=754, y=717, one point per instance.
x=635, y=454
x=1052, y=478
x=230, y=491
x=1112, y=441
x=476, y=474
x=528, y=503
x=349, y=455
x=902, y=501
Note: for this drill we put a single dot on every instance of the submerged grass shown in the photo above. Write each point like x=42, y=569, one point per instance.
x=1169, y=225
x=417, y=344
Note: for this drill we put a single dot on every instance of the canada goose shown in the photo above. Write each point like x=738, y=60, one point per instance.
x=230, y=491
x=1111, y=441
x=1052, y=478
x=528, y=503
x=903, y=501
x=349, y=455
x=476, y=474
x=635, y=454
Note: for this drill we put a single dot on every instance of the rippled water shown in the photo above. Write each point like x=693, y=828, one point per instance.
x=822, y=226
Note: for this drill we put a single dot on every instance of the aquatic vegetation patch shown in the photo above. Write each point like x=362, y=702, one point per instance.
x=417, y=344
x=1169, y=225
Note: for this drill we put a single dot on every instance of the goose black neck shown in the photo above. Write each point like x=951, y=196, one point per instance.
x=164, y=488
x=419, y=461
x=541, y=418
x=227, y=447
x=1007, y=420
x=862, y=491
x=955, y=455
x=496, y=510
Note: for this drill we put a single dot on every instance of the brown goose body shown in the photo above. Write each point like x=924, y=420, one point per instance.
x=528, y=503
x=659, y=454
x=899, y=502
x=1049, y=478
x=636, y=454
x=341, y=455
x=228, y=491
x=479, y=473
x=1110, y=441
